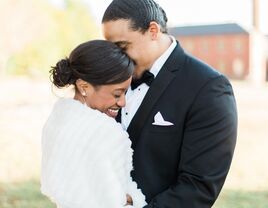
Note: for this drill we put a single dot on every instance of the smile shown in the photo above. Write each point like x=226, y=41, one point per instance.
x=112, y=112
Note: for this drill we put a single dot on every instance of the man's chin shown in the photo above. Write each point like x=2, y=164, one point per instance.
x=138, y=73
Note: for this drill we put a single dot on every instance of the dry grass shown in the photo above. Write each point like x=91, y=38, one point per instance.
x=25, y=105
x=249, y=170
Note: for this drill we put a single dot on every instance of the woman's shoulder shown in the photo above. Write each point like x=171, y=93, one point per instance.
x=78, y=111
x=74, y=107
x=73, y=119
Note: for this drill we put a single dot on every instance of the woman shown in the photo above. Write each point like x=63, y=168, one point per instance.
x=86, y=156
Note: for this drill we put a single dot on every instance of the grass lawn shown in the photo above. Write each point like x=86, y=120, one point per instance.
x=242, y=199
x=23, y=195
x=27, y=195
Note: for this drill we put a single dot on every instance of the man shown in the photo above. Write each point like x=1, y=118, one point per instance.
x=183, y=126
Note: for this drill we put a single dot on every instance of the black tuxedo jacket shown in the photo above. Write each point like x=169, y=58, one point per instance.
x=184, y=165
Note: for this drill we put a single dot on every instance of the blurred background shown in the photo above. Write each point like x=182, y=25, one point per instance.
x=230, y=35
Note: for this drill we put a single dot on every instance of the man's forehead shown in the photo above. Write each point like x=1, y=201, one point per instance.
x=115, y=32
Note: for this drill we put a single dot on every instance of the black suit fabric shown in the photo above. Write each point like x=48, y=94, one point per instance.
x=184, y=165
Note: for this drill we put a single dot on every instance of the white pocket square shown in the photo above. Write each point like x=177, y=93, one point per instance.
x=159, y=120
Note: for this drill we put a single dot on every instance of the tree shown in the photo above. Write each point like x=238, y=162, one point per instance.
x=43, y=33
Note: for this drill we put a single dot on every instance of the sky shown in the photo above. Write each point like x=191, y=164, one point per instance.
x=191, y=12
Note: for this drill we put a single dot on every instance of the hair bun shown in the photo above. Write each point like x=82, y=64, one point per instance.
x=62, y=73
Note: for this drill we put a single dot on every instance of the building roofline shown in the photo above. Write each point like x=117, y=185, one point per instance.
x=212, y=29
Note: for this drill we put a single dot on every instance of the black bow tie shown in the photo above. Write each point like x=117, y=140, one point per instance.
x=146, y=78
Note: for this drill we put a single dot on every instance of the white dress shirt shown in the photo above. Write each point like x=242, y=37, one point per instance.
x=135, y=97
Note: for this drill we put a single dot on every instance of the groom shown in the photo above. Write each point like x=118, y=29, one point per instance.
x=182, y=121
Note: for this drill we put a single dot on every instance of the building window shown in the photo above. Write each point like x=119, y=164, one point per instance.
x=189, y=46
x=221, y=45
x=204, y=46
x=238, y=68
x=238, y=46
x=222, y=66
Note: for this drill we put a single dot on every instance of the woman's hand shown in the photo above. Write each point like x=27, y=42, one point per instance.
x=129, y=200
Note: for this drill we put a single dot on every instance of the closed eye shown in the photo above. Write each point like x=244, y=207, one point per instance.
x=122, y=44
x=117, y=96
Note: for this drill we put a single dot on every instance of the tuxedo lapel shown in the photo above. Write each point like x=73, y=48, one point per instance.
x=153, y=94
x=159, y=85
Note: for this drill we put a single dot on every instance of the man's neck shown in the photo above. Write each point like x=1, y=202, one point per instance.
x=164, y=43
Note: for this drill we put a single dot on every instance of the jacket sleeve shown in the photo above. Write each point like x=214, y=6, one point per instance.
x=207, y=150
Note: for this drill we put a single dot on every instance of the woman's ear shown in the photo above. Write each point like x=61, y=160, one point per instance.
x=83, y=87
x=154, y=30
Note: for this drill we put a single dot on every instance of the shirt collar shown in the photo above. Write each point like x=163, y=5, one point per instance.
x=158, y=64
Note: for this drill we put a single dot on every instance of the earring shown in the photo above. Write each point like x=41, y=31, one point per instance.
x=83, y=96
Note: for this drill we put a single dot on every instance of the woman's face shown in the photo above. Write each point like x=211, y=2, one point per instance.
x=107, y=98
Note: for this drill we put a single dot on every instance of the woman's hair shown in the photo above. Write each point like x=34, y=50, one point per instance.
x=139, y=12
x=97, y=62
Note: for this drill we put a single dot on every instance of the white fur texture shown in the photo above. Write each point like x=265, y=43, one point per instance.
x=86, y=159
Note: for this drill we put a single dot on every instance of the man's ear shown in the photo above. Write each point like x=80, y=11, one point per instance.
x=154, y=30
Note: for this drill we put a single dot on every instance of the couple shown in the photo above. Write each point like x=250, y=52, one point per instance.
x=181, y=123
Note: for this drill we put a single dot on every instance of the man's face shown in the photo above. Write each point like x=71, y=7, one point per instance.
x=137, y=45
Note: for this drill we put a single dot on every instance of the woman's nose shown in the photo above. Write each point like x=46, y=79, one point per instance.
x=121, y=102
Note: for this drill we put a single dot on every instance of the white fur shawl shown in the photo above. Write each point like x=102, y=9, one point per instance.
x=86, y=159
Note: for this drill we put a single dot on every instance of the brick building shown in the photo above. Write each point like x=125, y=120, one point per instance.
x=226, y=47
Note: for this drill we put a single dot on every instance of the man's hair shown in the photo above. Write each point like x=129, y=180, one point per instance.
x=139, y=12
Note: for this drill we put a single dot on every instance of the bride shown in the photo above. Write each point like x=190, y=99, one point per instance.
x=86, y=155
